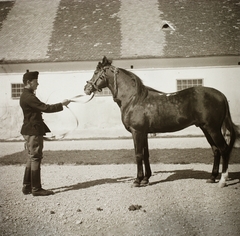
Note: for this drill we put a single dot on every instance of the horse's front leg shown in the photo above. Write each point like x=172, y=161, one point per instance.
x=148, y=171
x=138, y=139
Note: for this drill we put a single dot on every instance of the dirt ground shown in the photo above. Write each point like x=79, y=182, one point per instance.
x=95, y=200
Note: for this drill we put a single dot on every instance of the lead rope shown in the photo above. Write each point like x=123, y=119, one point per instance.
x=73, y=99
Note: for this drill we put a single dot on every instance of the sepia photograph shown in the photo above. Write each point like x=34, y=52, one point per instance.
x=119, y=117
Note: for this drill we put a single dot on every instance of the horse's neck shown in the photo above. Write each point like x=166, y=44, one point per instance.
x=122, y=87
x=112, y=81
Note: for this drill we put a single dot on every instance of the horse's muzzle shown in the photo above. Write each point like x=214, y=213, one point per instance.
x=87, y=92
x=88, y=89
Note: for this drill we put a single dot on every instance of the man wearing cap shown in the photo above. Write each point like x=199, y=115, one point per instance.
x=33, y=130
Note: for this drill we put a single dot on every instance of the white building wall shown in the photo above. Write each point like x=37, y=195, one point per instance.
x=101, y=116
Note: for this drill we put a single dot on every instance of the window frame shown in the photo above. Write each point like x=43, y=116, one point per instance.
x=16, y=90
x=105, y=92
x=188, y=83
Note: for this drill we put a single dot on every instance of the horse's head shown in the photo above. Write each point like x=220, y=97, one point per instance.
x=98, y=81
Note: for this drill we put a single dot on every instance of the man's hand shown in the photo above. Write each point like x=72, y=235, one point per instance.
x=65, y=102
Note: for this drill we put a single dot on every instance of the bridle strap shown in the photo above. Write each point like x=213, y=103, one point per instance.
x=94, y=83
x=115, y=72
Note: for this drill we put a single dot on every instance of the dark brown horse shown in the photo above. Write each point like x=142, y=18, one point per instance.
x=145, y=110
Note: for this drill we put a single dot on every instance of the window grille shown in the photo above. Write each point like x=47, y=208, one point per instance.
x=17, y=90
x=187, y=83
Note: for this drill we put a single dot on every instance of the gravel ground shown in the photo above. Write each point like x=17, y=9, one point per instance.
x=95, y=200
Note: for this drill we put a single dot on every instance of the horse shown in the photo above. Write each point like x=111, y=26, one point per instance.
x=146, y=110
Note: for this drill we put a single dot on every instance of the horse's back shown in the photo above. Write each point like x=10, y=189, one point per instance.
x=195, y=96
x=192, y=106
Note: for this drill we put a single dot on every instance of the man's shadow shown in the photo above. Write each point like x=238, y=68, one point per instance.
x=91, y=183
x=175, y=175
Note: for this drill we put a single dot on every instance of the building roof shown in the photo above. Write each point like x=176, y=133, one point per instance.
x=85, y=30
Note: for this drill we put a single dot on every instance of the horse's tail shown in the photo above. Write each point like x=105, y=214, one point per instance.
x=229, y=128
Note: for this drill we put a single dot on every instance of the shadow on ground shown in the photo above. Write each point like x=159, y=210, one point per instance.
x=234, y=177
x=192, y=174
x=89, y=184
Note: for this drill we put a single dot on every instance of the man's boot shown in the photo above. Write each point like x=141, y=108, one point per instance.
x=37, y=189
x=27, y=189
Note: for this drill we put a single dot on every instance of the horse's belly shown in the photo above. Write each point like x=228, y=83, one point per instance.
x=157, y=125
x=166, y=128
x=168, y=124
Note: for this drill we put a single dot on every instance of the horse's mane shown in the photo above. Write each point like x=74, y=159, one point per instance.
x=155, y=90
x=142, y=90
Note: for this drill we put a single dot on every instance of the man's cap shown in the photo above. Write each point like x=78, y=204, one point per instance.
x=30, y=76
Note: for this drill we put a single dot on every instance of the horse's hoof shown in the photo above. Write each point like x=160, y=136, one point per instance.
x=144, y=183
x=136, y=184
x=222, y=184
x=210, y=181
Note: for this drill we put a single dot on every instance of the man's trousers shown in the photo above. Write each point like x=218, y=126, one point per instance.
x=32, y=175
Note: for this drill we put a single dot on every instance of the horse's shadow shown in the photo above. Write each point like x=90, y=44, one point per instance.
x=175, y=175
x=193, y=174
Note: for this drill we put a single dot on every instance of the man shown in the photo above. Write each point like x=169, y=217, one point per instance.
x=33, y=130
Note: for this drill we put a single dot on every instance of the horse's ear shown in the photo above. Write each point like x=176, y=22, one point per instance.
x=106, y=62
x=99, y=66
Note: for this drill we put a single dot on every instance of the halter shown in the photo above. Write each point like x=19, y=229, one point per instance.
x=103, y=76
x=73, y=99
x=93, y=83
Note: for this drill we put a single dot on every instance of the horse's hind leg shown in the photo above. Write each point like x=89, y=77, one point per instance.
x=148, y=171
x=216, y=155
x=223, y=148
x=216, y=163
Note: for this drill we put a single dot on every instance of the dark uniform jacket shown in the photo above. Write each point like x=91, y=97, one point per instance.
x=32, y=111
